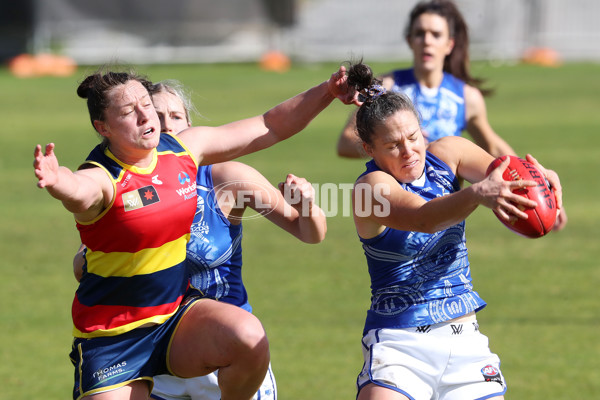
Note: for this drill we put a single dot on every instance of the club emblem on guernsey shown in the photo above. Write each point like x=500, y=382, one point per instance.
x=140, y=198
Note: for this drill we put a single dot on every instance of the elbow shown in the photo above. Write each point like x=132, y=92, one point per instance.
x=312, y=240
x=320, y=237
x=345, y=151
x=426, y=228
x=431, y=227
x=315, y=237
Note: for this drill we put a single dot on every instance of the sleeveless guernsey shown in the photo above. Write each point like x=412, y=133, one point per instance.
x=420, y=278
x=442, y=109
x=135, y=259
x=214, y=255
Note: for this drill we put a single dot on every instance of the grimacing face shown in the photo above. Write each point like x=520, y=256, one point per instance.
x=398, y=146
x=131, y=123
x=171, y=112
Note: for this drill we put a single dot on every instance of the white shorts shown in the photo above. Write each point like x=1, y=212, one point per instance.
x=447, y=361
x=169, y=387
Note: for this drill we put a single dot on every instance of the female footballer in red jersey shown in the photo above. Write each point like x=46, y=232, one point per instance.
x=134, y=201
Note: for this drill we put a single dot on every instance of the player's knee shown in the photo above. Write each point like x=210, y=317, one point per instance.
x=252, y=340
x=252, y=334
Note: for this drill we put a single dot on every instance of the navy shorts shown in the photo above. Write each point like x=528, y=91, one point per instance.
x=110, y=362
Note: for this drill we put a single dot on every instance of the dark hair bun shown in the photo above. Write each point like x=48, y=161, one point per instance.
x=360, y=76
x=84, y=87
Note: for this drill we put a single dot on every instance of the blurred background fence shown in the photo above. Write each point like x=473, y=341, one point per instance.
x=191, y=31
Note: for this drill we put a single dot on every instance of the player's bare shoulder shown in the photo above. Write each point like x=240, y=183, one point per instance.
x=387, y=80
x=474, y=102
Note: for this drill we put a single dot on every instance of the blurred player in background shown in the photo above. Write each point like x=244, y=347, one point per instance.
x=448, y=99
x=421, y=338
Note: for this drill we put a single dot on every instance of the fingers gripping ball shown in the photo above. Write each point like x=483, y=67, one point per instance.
x=540, y=219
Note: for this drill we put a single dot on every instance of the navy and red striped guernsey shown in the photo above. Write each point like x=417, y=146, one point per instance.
x=135, y=259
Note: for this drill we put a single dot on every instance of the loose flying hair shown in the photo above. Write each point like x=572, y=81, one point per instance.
x=378, y=104
x=457, y=62
x=175, y=88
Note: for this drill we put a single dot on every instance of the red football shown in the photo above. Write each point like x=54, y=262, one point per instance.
x=541, y=218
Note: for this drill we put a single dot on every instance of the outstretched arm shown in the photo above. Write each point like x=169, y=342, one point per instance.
x=82, y=192
x=223, y=143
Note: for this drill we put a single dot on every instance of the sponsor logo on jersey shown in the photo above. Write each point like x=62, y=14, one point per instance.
x=156, y=181
x=140, y=198
x=183, y=178
x=491, y=374
x=104, y=374
x=188, y=192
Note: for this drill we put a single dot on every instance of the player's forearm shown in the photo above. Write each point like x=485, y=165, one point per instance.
x=350, y=147
x=70, y=190
x=443, y=212
x=312, y=224
x=293, y=115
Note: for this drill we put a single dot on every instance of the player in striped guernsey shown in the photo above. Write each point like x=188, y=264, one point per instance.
x=134, y=201
x=225, y=193
x=215, y=251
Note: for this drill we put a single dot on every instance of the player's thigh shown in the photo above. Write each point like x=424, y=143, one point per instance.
x=138, y=390
x=372, y=391
x=212, y=334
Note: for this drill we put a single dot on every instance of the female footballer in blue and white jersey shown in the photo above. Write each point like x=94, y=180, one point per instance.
x=442, y=109
x=421, y=339
x=448, y=99
x=131, y=319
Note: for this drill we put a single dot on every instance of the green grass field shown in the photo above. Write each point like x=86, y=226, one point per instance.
x=543, y=313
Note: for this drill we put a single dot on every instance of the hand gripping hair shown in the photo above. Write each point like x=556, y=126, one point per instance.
x=361, y=77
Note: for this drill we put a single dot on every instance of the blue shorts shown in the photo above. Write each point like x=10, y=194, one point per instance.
x=110, y=362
